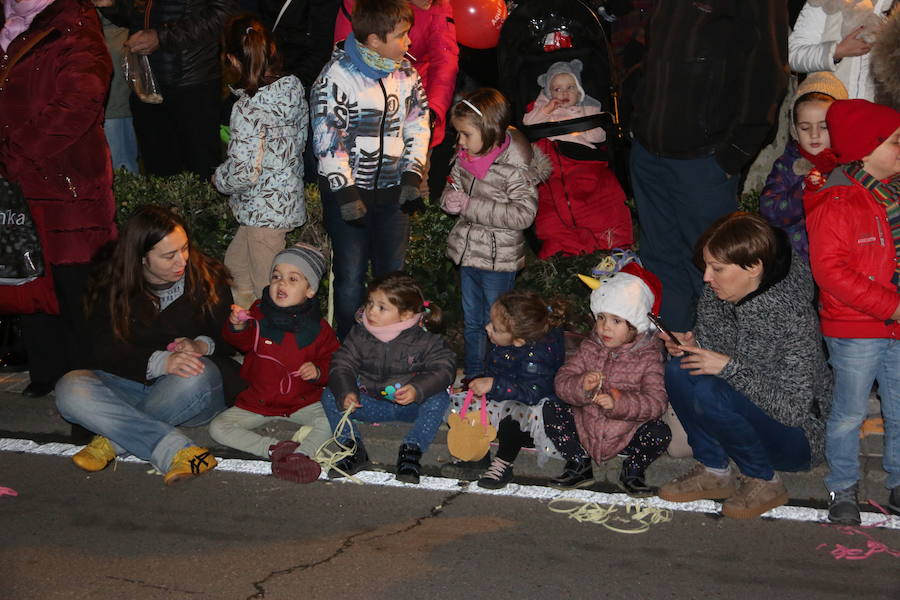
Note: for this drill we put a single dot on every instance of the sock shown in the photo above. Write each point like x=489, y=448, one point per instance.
x=719, y=472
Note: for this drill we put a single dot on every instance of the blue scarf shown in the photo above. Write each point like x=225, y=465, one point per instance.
x=369, y=62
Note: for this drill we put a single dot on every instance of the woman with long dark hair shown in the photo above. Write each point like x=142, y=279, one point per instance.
x=156, y=309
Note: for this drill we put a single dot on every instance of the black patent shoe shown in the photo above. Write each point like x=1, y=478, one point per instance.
x=634, y=485
x=408, y=467
x=350, y=465
x=36, y=389
x=576, y=474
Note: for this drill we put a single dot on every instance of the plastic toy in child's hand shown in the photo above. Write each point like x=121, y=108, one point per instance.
x=390, y=390
x=243, y=315
x=172, y=347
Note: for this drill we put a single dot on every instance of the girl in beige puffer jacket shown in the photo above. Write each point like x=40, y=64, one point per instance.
x=493, y=190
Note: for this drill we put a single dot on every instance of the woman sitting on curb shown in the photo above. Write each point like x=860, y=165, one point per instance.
x=750, y=383
x=156, y=313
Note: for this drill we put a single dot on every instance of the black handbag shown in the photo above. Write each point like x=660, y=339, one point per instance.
x=21, y=259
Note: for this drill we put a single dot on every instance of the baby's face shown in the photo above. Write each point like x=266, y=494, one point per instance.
x=564, y=89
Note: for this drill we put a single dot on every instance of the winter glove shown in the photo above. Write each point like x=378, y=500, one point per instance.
x=454, y=201
x=410, y=199
x=352, y=207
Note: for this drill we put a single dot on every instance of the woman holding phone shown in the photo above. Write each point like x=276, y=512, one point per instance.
x=749, y=383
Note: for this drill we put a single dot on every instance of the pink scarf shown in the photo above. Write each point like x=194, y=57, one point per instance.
x=387, y=333
x=19, y=16
x=480, y=165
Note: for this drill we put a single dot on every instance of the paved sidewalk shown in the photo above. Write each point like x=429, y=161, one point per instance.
x=38, y=420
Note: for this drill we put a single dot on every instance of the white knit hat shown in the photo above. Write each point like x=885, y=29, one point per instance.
x=626, y=296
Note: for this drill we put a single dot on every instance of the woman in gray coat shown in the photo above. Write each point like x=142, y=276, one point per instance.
x=750, y=383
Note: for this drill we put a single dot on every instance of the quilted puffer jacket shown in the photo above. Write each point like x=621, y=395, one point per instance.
x=188, y=32
x=489, y=234
x=263, y=173
x=636, y=370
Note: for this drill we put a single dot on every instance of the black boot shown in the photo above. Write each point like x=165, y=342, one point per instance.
x=577, y=473
x=408, y=466
x=632, y=483
x=352, y=464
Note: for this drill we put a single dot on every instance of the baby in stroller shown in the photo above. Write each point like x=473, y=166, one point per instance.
x=581, y=208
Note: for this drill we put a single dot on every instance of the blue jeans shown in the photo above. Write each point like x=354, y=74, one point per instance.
x=677, y=200
x=857, y=363
x=722, y=423
x=139, y=419
x=480, y=289
x=425, y=417
x=381, y=238
x=122, y=143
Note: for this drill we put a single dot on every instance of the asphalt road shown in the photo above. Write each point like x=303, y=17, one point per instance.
x=123, y=534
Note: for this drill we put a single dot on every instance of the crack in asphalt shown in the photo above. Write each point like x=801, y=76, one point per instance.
x=151, y=585
x=349, y=543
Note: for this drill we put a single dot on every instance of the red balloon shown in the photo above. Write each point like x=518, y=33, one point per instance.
x=478, y=22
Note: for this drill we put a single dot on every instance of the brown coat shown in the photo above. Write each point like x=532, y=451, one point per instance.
x=635, y=370
x=489, y=234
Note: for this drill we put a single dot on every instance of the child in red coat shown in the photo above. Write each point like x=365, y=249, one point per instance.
x=288, y=350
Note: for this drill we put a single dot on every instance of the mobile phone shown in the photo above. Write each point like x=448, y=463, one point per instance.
x=662, y=327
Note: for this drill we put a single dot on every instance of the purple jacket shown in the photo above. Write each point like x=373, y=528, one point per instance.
x=781, y=201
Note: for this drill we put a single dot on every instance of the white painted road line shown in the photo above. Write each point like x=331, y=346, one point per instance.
x=513, y=490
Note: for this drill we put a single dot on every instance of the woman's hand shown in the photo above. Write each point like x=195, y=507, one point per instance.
x=702, y=361
x=145, y=41
x=189, y=345
x=591, y=380
x=308, y=372
x=481, y=385
x=351, y=401
x=687, y=340
x=852, y=45
x=184, y=364
x=405, y=395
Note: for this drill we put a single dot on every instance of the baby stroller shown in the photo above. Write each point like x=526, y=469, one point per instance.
x=581, y=208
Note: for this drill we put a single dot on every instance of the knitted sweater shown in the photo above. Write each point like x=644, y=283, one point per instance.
x=776, y=355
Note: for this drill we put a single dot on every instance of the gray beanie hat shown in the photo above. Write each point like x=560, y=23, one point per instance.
x=308, y=259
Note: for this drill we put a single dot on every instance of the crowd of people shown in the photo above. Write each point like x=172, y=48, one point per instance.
x=779, y=324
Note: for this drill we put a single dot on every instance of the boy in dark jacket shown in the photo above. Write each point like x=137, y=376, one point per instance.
x=288, y=350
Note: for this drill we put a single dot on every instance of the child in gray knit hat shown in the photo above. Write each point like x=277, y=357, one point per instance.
x=288, y=348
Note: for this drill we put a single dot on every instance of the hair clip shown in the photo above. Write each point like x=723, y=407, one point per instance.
x=473, y=107
x=549, y=309
x=248, y=30
x=426, y=303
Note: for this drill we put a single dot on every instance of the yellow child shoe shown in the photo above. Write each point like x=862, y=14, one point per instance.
x=190, y=462
x=96, y=455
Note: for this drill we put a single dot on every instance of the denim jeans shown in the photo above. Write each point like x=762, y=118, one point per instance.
x=425, y=417
x=722, y=423
x=139, y=419
x=381, y=238
x=857, y=363
x=122, y=143
x=677, y=200
x=480, y=289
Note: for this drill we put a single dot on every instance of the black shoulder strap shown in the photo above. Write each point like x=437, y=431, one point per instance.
x=545, y=130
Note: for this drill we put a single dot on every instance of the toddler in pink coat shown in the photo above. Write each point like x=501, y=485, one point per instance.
x=615, y=380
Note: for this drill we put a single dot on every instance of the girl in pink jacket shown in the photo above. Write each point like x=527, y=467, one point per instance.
x=615, y=380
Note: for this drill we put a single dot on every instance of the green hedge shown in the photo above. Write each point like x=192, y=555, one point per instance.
x=212, y=226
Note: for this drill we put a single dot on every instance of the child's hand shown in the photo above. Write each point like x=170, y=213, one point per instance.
x=591, y=380
x=405, y=395
x=308, y=372
x=481, y=386
x=551, y=106
x=351, y=401
x=604, y=401
x=454, y=202
x=238, y=317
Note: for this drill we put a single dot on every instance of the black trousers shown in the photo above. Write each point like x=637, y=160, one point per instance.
x=57, y=344
x=182, y=133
